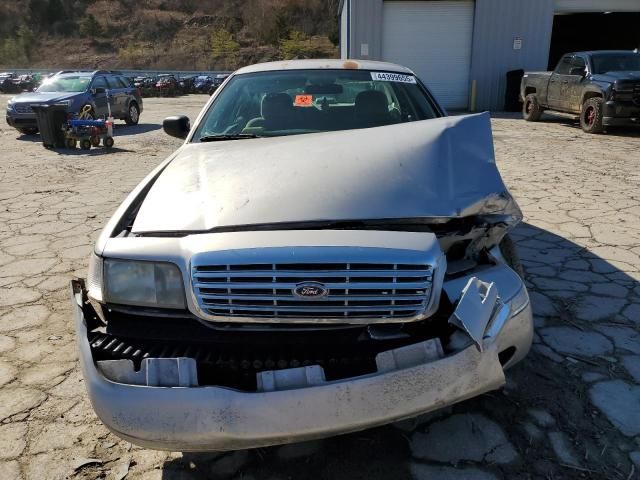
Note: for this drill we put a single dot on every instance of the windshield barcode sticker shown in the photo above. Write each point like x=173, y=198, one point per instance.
x=392, y=77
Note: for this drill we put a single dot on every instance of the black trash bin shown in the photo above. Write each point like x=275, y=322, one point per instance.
x=50, y=120
x=512, y=92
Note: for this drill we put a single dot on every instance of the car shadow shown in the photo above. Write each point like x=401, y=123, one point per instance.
x=580, y=303
x=123, y=130
x=29, y=138
x=94, y=152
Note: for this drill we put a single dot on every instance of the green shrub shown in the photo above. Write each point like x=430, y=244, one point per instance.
x=90, y=27
x=224, y=49
x=296, y=46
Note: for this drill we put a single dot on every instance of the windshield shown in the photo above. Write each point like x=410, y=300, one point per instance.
x=616, y=63
x=309, y=101
x=65, y=84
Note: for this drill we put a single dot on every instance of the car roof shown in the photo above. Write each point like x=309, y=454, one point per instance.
x=87, y=73
x=75, y=74
x=604, y=52
x=322, y=64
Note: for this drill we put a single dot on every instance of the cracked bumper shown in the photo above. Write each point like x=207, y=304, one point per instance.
x=214, y=418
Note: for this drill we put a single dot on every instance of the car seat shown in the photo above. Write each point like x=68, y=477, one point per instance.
x=371, y=109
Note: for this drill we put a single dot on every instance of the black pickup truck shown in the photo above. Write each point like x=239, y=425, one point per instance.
x=603, y=87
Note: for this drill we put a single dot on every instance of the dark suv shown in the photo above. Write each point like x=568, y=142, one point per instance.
x=100, y=90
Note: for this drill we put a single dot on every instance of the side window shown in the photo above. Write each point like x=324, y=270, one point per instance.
x=564, y=66
x=99, y=82
x=578, y=62
x=124, y=82
x=113, y=82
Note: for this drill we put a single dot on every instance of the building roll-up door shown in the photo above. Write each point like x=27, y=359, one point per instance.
x=433, y=38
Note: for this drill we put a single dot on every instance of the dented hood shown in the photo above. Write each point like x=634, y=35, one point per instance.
x=443, y=167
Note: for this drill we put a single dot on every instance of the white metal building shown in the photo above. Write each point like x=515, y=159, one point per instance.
x=462, y=49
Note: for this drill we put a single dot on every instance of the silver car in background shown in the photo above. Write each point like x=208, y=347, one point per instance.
x=327, y=252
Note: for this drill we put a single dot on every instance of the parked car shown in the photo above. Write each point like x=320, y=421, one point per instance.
x=202, y=83
x=603, y=87
x=77, y=90
x=217, y=81
x=24, y=83
x=373, y=281
x=167, y=85
x=6, y=82
x=137, y=81
x=146, y=85
x=185, y=84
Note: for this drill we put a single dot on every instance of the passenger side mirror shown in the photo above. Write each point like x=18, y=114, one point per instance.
x=177, y=126
x=577, y=71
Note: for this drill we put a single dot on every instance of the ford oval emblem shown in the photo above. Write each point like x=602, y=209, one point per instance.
x=310, y=290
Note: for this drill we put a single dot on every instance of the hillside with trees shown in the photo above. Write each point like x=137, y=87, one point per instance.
x=164, y=34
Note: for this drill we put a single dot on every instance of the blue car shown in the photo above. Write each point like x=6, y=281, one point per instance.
x=202, y=83
x=77, y=89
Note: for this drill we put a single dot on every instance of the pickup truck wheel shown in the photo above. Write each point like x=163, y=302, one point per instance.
x=510, y=254
x=591, y=116
x=531, y=110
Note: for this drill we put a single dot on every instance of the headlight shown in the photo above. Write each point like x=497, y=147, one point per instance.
x=66, y=103
x=148, y=284
x=132, y=282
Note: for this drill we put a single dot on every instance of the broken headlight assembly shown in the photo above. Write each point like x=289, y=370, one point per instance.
x=137, y=283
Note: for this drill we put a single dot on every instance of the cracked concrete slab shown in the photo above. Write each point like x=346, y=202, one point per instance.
x=570, y=340
x=632, y=364
x=620, y=402
x=463, y=437
x=563, y=449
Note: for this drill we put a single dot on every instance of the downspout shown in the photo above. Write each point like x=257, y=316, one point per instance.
x=349, y=29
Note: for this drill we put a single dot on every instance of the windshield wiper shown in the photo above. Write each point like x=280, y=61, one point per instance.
x=234, y=136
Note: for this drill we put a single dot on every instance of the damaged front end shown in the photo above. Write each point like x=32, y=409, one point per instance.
x=171, y=380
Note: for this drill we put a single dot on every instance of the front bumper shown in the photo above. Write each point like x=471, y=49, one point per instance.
x=215, y=418
x=21, y=120
x=621, y=114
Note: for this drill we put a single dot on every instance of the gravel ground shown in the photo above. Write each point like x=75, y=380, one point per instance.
x=570, y=410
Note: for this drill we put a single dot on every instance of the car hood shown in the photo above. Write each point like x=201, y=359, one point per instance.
x=613, y=76
x=42, y=97
x=443, y=167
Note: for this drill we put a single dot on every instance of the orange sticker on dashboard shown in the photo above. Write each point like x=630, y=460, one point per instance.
x=303, y=100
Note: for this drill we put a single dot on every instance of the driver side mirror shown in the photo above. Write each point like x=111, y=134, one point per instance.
x=98, y=90
x=578, y=71
x=177, y=126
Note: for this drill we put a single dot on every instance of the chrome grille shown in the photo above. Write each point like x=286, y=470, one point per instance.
x=23, y=108
x=355, y=290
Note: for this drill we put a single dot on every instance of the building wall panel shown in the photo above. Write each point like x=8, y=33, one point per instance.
x=498, y=25
x=365, y=29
